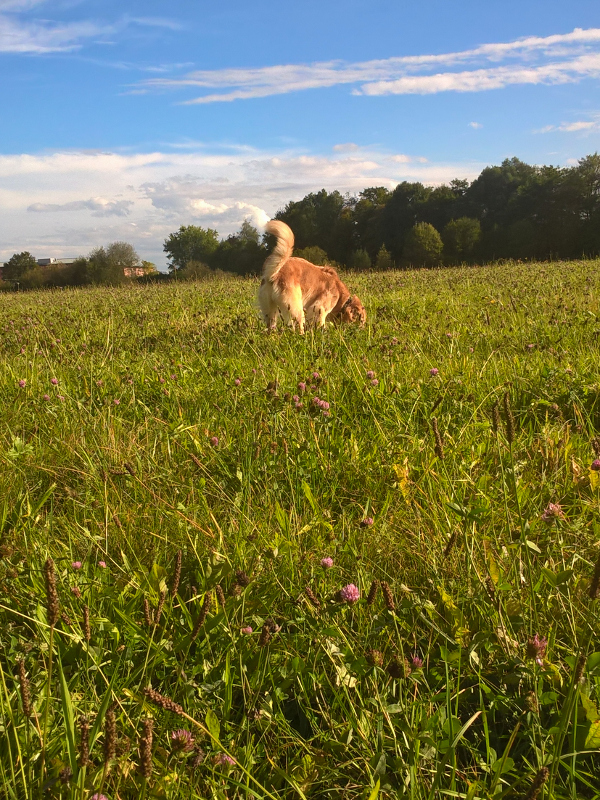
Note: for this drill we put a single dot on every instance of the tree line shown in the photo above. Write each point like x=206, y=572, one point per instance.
x=512, y=211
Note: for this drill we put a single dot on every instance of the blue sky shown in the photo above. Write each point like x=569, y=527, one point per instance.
x=124, y=120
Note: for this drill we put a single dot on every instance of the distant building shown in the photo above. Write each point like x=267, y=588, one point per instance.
x=45, y=262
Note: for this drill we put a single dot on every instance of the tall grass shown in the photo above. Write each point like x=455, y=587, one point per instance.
x=171, y=458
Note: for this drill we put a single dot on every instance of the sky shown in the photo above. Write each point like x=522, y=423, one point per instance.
x=122, y=121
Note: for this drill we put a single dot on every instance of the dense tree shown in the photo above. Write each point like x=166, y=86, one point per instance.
x=423, y=246
x=316, y=255
x=384, y=259
x=190, y=243
x=241, y=253
x=17, y=265
x=460, y=238
x=360, y=260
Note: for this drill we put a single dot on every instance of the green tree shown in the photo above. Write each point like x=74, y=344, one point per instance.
x=107, y=264
x=460, y=238
x=17, y=265
x=384, y=259
x=242, y=253
x=360, y=260
x=423, y=247
x=314, y=254
x=149, y=268
x=190, y=243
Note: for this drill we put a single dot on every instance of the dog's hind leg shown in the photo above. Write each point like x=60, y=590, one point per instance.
x=268, y=307
x=292, y=309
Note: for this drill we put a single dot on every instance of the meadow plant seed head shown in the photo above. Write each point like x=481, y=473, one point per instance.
x=327, y=562
x=220, y=595
x=312, y=596
x=159, y=609
x=182, y=741
x=374, y=658
x=594, y=590
x=84, y=742
x=162, y=701
x=388, y=596
x=86, y=624
x=145, y=748
x=110, y=736
x=24, y=685
x=349, y=594
x=536, y=787
x=372, y=592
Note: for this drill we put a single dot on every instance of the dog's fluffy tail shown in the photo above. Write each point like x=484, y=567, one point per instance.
x=283, y=248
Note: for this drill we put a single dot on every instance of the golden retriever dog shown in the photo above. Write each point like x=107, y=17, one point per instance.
x=303, y=293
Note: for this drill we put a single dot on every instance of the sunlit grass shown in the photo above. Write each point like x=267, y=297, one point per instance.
x=142, y=422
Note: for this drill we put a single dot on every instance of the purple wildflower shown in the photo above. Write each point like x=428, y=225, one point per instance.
x=529, y=347
x=434, y=371
x=54, y=381
x=302, y=386
x=214, y=440
x=116, y=401
x=536, y=648
x=316, y=376
x=223, y=760
x=253, y=371
x=551, y=512
x=316, y=401
x=46, y=397
x=327, y=562
x=324, y=405
x=61, y=397
x=595, y=464
x=22, y=383
x=99, y=382
x=416, y=662
x=247, y=630
x=161, y=380
x=370, y=374
x=326, y=413
x=98, y=796
x=299, y=406
x=76, y=564
x=349, y=593
x=102, y=564
x=237, y=381
x=374, y=382
x=367, y=522
x=182, y=741
x=296, y=399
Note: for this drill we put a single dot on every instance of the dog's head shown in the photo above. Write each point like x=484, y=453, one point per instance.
x=354, y=311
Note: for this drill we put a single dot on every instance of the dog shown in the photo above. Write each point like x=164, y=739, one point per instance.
x=303, y=293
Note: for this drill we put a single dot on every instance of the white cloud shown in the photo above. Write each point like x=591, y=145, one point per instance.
x=66, y=203
x=578, y=126
x=475, y=125
x=18, y=36
x=347, y=147
x=560, y=58
x=99, y=206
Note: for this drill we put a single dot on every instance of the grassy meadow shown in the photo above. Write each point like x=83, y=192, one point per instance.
x=214, y=586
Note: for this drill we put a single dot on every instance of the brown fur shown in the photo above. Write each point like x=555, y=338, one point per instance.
x=303, y=293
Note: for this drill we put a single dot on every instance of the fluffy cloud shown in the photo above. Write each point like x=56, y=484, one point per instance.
x=559, y=58
x=64, y=204
x=578, y=126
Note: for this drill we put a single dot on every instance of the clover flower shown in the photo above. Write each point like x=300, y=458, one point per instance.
x=182, y=741
x=349, y=594
x=76, y=564
x=214, y=440
x=22, y=383
x=54, y=381
x=552, y=512
x=370, y=374
x=434, y=371
x=327, y=562
x=247, y=630
x=237, y=381
x=536, y=648
x=302, y=386
x=223, y=760
x=102, y=564
x=595, y=465
x=367, y=522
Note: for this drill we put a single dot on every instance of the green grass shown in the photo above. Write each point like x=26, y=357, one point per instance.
x=117, y=466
